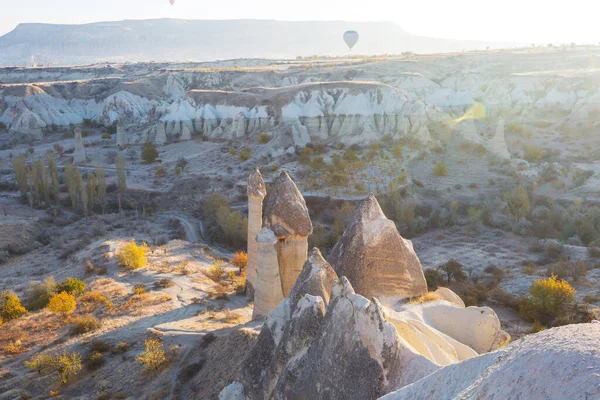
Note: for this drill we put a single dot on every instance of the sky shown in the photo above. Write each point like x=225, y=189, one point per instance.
x=522, y=21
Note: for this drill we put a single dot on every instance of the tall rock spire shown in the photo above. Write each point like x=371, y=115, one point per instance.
x=497, y=145
x=286, y=214
x=267, y=294
x=376, y=259
x=256, y=193
x=161, y=134
x=121, y=139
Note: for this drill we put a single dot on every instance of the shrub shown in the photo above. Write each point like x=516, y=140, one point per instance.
x=440, y=170
x=39, y=293
x=10, y=306
x=181, y=163
x=245, y=154
x=72, y=286
x=177, y=171
x=434, y=279
x=575, y=270
x=164, y=283
x=91, y=299
x=149, y=153
x=62, y=303
x=63, y=364
x=532, y=153
x=431, y=296
x=85, y=324
x=131, y=256
x=590, y=298
x=549, y=298
x=139, y=288
x=154, y=355
x=93, y=361
x=99, y=346
x=161, y=172
x=529, y=269
x=216, y=271
x=240, y=260
x=12, y=348
x=264, y=138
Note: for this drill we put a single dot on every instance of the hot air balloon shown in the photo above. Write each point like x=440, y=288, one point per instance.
x=172, y=2
x=351, y=38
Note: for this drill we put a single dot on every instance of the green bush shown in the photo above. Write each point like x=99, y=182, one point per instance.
x=264, y=138
x=440, y=170
x=85, y=324
x=245, y=154
x=161, y=172
x=532, y=153
x=149, y=153
x=453, y=271
x=10, y=306
x=39, y=293
x=434, y=279
x=72, y=286
x=548, y=300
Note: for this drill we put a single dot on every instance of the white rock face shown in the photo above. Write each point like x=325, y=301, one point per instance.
x=161, y=135
x=186, y=133
x=497, y=145
x=267, y=290
x=79, y=156
x=558, y=363
x=256, y=191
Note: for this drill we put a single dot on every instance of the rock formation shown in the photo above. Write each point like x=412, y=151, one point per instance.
x=186, y=133
x=79, y=156
x=286, y=214
x=376, y=259
x=161, y=134
x=256, y=193
x=558, y=363
x=267, y=293
x=121, y=138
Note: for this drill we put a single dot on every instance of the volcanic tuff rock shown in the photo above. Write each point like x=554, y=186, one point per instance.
x=558, y=363
x=256, y=192
x=350, y=352
x=79, y=156
x=267, y=288
x=317, y=279
x=376, y=259
x=286, y=214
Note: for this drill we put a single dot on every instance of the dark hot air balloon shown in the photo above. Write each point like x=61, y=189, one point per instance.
x=351, y=38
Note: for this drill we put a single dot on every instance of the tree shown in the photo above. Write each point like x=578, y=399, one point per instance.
x=240, y=260
x=91, y=190
x=63, y=364
x=181, y=163
x=10, y=306
x=81, y=190
x=154, y=355
x=69, y=178
x=121, y=179
x=62, y=303
x=149, y=153
x=55, y=186
x=549, y=298
x=453, y=270
x=21, y=174
x=101, y=187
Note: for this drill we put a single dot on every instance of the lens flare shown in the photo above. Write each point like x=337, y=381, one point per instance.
x=477, y=111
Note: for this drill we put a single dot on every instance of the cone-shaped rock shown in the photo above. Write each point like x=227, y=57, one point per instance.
x=498, y=143
x=317, y=279
x=79, y=155
x=186, y=133
x=256, y=193
x=376, y=259
x=286, y=214
x=121, y=139
x=267, y=291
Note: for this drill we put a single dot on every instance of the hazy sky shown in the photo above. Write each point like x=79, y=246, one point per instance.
x=524, y=21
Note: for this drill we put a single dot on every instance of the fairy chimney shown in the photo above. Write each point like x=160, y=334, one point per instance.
x=267, y=293
x=161, y=134
x=376, y=259
x=121, y=139
x=256, y=194
x=286, y=214
x=79, y=155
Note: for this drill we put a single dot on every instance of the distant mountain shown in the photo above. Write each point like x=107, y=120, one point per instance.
x=204, y=40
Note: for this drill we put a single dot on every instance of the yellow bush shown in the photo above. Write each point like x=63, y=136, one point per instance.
x=154, y=355
x=10, y=306
x=440, y=170
x=131, y=256
x=264, y=138
x=63, y=364
x=62, y=303
x=92, y=299
x=549, y=299
x=216, y=271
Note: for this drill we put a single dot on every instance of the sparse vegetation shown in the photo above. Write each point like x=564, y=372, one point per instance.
x=549, y=299
x=264, y=138
x=10, y=306
x=85, y=324
x=440, y=170
x=153, y=357
x=149, y=153
x=64, y=365
x=62, y=303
